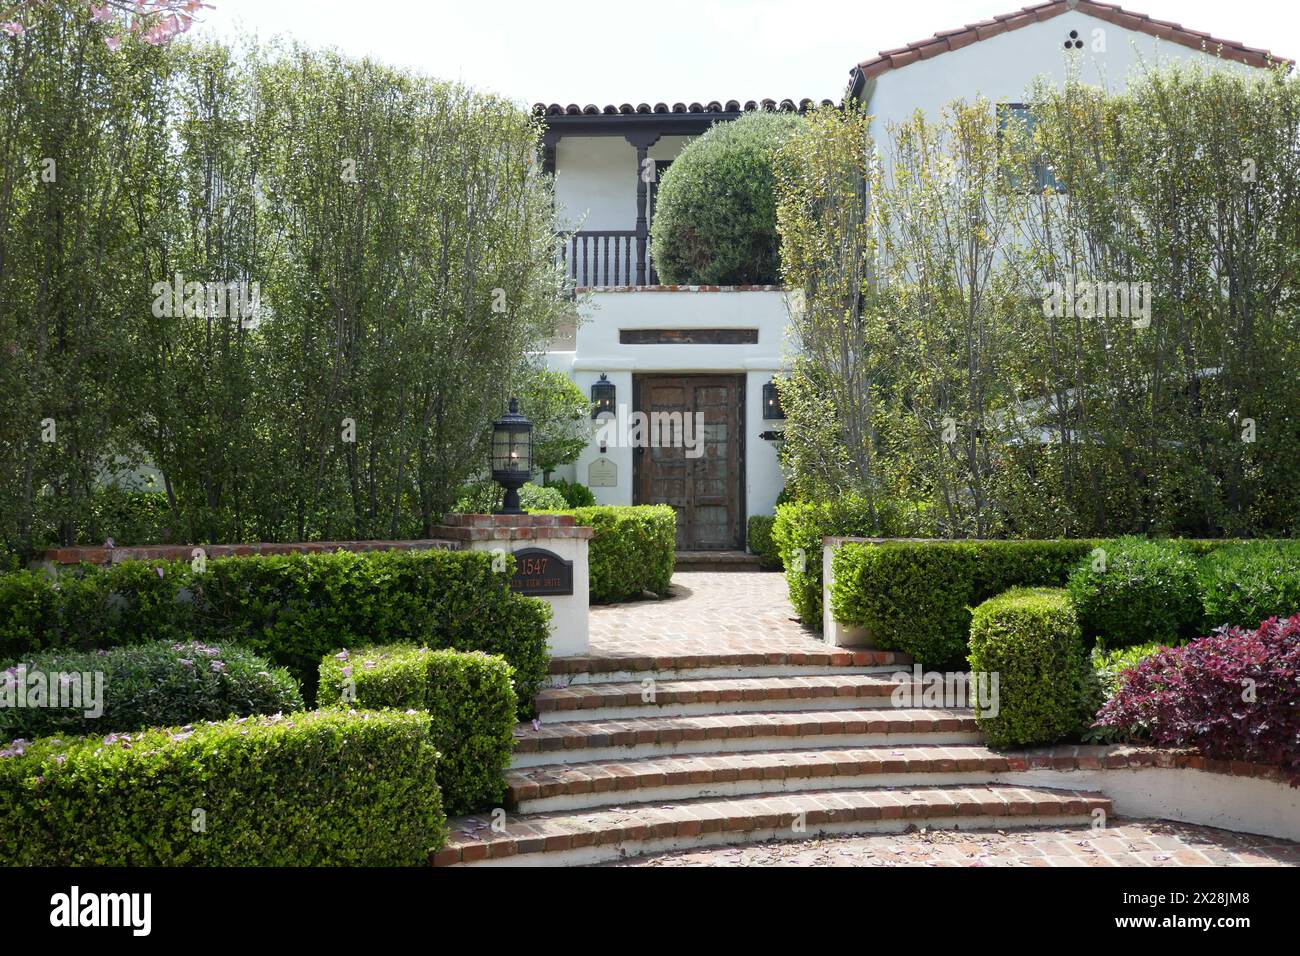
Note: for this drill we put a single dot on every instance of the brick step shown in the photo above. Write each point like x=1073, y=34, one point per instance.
x=573, y=785
x=636, y=738
x=592, y=836
x=716, y=561
x=777, y=662
x=691, y=698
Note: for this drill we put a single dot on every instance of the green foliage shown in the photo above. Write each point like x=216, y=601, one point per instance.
x=470, y=700
x=538, y=498
x=576, y=495
x=632, y=550
x=759, y=536
x=561, y=416
x=715, y=216
x=1137, y=592
x=916, y=596
x=400, y=234
x=1102, y=680
x=934, y=363
x=485, y=498
x=1030, y=638
x=797, y=533
x=1245, y=583
x=152, y=685
x=329, y=788
x=292, y=609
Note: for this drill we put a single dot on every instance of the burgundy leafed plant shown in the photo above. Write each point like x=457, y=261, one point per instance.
x=1234, y=695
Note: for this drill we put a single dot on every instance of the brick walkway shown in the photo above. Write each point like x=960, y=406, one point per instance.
x=710, y=612
x=1126, y=843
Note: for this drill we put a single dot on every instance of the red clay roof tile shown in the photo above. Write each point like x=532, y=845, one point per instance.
x=948, y=40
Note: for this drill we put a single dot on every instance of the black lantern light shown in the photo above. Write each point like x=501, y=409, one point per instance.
x=512, y=456
x=772, y=404
x=602, y=397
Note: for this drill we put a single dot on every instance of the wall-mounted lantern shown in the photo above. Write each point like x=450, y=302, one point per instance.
x=772, y=404
x=512, y=456
x=602, y=397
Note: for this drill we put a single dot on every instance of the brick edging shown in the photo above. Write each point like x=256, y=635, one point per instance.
x=448, y=536
x=184, y=552
x=1129, y=757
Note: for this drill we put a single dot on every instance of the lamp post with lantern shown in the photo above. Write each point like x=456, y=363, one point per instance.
x=512, y=456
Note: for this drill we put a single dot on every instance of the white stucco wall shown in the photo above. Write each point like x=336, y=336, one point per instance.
x=1002, y=68
x=596, y=179
x=599, y=350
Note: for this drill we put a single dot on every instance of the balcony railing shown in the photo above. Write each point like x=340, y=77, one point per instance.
x=601, y=257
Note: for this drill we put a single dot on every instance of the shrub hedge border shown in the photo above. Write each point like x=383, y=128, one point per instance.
x=292, y=609
x=470, y=699
x=325, y=788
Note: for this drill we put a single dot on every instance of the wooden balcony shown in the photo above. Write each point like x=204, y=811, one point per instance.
x=609, y=257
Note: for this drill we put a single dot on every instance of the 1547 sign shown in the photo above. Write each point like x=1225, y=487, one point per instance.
x=538, y=571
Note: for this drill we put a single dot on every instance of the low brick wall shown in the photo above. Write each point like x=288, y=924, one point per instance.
x=61, y=557
x=455, y=534
x=465, y=528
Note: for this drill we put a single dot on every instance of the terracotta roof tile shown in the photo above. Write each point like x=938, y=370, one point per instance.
x=712, y=106
x=948, y=40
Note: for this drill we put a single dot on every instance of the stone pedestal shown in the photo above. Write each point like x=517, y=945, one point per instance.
x=559, y=555
x=833, y=632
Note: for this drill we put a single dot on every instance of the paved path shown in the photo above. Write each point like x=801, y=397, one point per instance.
x=709, y=612
x=1126, y=843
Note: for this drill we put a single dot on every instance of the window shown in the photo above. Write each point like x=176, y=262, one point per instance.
x=1044, y=177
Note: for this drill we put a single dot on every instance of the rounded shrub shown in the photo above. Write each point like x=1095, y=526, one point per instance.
x=148, y=685
x=1134, y=591
x=1245, y=584
x=1029, y=639
x=470, y=699
x=538, y=498
x=576, y=494
x=715, y=216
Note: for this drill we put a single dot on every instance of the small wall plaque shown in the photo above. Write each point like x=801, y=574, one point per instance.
x=602, y=473
x=538, y=571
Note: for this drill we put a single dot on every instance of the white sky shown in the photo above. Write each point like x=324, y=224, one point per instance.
x=614, y=51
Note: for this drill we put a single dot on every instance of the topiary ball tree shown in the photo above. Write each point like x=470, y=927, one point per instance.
x=715, y=216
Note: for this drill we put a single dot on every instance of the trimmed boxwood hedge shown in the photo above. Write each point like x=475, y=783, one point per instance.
x=1248, y=582
x=759, y=536
x=330, y=788
x=1029, y=638
x=916, y=596
x=293, y=609
x=633, y=549
x=797, y=533
x=1143, y=591
x=152, y=685
x=470, y=700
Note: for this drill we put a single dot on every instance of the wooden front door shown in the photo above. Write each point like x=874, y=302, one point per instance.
x=703, y=484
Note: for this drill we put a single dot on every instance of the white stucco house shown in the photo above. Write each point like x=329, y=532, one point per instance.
x=712, y=350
